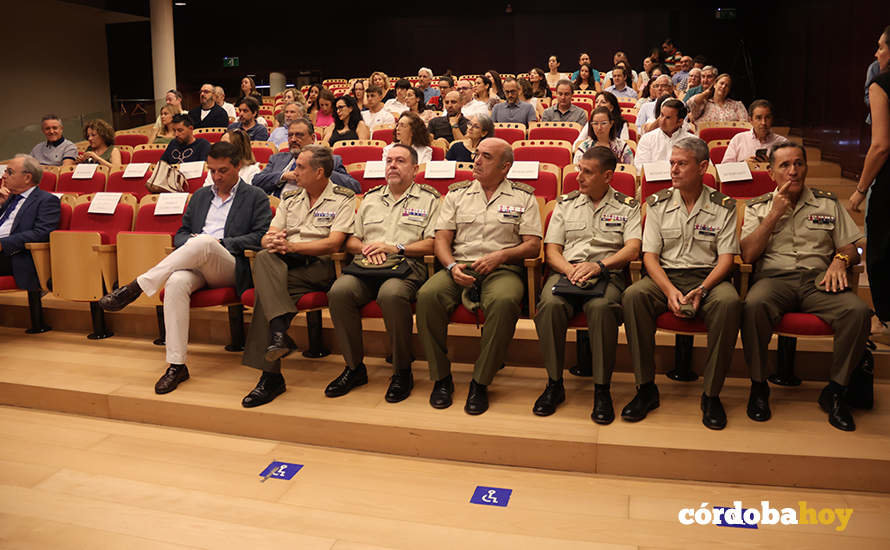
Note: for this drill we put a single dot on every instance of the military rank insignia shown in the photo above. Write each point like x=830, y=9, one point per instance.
x=322, y=215
x=415, y=212
x=511, y=211
x=613, y=220
x=821, y=219
x=708, y=230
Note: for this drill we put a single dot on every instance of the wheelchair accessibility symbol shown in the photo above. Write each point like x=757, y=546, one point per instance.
x=491, y=496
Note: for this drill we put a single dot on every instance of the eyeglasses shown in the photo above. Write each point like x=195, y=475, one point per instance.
x=341, y=107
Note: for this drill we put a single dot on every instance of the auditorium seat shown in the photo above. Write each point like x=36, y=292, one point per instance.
x=717, y=149
x=212, y=135
x=148, y=152
x=624, y=179
x=67, y=184
x=548, y=183
x=130, y=138
x=359, y=150
x=629, y=114
x=632, y=133
x=383, y=133
x=262, y=150
x=462, y=172
x=49, y=178
x=438, y=150
x=710, y=131
x=357, y=171
x=556, y=152
x=585, y=103
x=227, y=297
x=567, y=131
x=126, y=152
x=135, y=186
x=311, y=304
x=760, y=183
x=510, y=132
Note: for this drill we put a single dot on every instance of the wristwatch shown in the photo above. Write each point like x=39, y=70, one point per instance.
x=602, y=266
x=704, y=291
x=450, y=266
x=400, y=247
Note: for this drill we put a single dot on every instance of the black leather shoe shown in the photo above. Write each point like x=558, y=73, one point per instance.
x=578, y=370
x=120, y=298
x=440, y=397
x=173, y=377
x=477, y=398
x=713, y=416
x=400, y=386
x=758, y=402
x=839, y=414
x=348, y=379
x=644, y=401
x=603, y=412
x=270, y=386
x=280, y=346
x=554, y=394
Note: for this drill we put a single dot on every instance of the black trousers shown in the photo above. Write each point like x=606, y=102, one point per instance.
x=877, y=248
x=5, y=265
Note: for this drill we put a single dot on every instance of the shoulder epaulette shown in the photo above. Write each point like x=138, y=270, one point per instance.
x=662, y=195
x=523, y=187
x=720, y=199
x=761, y=199
x=375, y=188
x=290, y=194
x=820, y=194
x=459, y=185
x=624, y=199
x=430, y=189
x=344, y=191
x=569, y=196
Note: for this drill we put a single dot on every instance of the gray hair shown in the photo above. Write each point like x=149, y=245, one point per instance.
x=696, y=146
x=695, y=70
x=300, y=108
x=218, y=90
x=485, y=124
x=321, y=158
x=783, y=145
x=425, y=70
x=565, y=82
x=30, y=165
x=710, y=69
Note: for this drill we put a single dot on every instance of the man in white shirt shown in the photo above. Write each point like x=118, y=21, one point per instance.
x=220, y=96
x=470, y=106
x=755, y=144
x=376, y=115
x=656, y=145
x=646, y=114
x=397, y=105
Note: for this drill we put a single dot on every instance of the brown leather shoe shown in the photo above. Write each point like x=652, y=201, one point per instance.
x=120, y=298
x=171, y=379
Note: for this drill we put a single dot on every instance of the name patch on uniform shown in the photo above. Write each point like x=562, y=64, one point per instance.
x=324, y=215
x=708, y=230
x=821, y=219
x=613, y=220
x=511, y=211
x=418, y=212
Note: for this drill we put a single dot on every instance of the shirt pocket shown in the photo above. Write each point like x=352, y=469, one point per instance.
x=323, y=221
x=469, y=226
x=671, y=235
x=821, y=222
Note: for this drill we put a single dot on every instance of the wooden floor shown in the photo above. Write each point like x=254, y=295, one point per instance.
x=68, y=481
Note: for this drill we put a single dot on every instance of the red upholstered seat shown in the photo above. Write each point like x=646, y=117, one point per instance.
x=107, y=225
x=553, y=151
x=720, y=132
x=509, y=134
x=546, y=184
x=209, y=297
x=383, y=134
x=438, y=153
x=130, y=139
x=65, y=217
x=7, y=282
x=66, y=184
x=717, y=153
x=359, y=153
x=48, y=181
x=567, y=134
x=247, y=298
x=313, y=300
x=134, y=186
x=803, y=324
x=669, y=321
x=372, y=310
x=441, y=185
x=760, y=184
x=262, y=152
x=151, y=156
x=467, y=317
x=578, y=321
x=147, y=222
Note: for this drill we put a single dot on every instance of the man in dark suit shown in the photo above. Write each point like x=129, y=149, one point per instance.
x=209, y=114
x=27, y=215
x=279, y=175
x=221, y=222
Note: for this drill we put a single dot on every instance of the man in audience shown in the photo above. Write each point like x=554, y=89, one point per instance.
x=375, y=115
x=185, y=147
x=452, y=125
x=209, y=114
x=619, y=88
x=699, y=62
x=470, y=106
x=754, y=145
x=247, y=111
x=280, y=175
x=310, y=224
x=485, y=229
x=646, y=113
x=693, y=81
x=27, y=215
x=582, y=59
x=671, y=55
x=563, y=110
x=619, y=57
x=56, y=150
x=397, y=105
x=292, y=111
x=594, y=232
x=657, y=144
x=446, y=85
x=220, y=223
x=513, y=110
x=425, y=84
x=802, y=242
x=708, y=76
x=680, y=77
x=689, y=242
x=219, y=95
x=383, y=233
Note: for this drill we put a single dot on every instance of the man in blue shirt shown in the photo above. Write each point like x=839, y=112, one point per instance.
x=513, y=110
x=426, y=79
x=247, y=110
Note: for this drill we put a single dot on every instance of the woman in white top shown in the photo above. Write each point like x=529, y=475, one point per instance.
x=553, y=75
x=249, y=166
x=411, y=131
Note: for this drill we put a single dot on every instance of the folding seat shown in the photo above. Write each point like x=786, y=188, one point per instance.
x=510, y=132
x=710, y=131
x=556, y=152
x=760, y=183
x=585, y=103
x=462, y=172
x=67, y=184
x=629, y=114
x=383, y=133
x=212, y=135
x=548, y=183
x=717, y=149
x=359, y=150
x=357, y=171
x=567, y=131
x=148, y=152
x=262, y=150
x=130, y=138
x=126, y=153
x=135, y=186
x=49, y=179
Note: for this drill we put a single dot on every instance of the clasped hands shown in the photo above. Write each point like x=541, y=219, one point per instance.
x=676, y=299
x=276, y=242
x=376, y=253
x=483, y=266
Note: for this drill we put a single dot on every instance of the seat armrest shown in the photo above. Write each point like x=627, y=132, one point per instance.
x=40, y=256
x=107, y=254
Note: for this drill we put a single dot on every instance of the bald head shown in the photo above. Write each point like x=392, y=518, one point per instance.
x=494, y=157
x=465, y=88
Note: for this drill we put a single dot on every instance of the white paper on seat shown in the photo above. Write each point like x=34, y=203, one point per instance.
x=524, y=170
x=84, y=171
x=104, y=203
x=171, y=203
x=136, y=169
x=374, y=169
x=192, y=169
x=734, y=171
x=440, y=169
x=657, y=171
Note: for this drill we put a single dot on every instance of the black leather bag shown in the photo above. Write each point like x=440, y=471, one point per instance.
x=396, y=266
x=591, y=288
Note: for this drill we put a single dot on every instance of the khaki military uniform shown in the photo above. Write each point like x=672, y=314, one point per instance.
x=281, y=280
x=800, y=249
x=480, y=226
x=382, y=218
x=588, y=232
x=688, y=245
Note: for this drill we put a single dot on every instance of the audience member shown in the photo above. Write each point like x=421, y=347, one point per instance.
x=714, y=105
x=358, y=92
x=672, y=55
x=248, y=89
x=312, y=100
x=657, y=71
x=165, y=134
x=610, y=102
x=452, y=125
x=348, y=125
x=470, y=105
x=699, y=62
x=478, y=128
x=414, y=101
x=446, y=85
x=56, y=150
x=643, y=77
x=425, y=85
x=208, y=114
x=584, y=58
x=525, y=94
x=755, y=144
x=692, y=82
x=172, y=97
x=646, y=113
x=380, y=79
x=375, y=115
x=497, y=82
x=482, y=92
x=249, y=167
x=538, y=79
x=292, y=111
x=680, y=77
x=657, y=144
x=553, y=74
x=219, y=95
x=411, y=131
x=186, y=147
x=584, y=80
x=397, y=105
x=620, y=58
x=513, y=110
x=563, y=110
x=620, y=87
x=101, y=150
x=604, y=133
x=708, y=76
x=324, y=116
x=247, y=111
x=295, y=95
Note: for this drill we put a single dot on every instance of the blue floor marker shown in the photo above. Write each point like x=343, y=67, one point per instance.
x=280, y=470
x=491, y=496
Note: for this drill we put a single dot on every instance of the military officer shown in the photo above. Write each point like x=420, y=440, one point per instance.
x=799, y=238
x=486, y=227
x=394, y=221
x=689, y=242
x=310, y=224
x=593, y=231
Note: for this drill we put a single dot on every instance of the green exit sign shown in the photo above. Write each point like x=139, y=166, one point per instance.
x=231, y=62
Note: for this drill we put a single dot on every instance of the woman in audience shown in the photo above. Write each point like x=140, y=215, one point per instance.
x=656, y=71
x=496, y=81
x=538, y=79
x=312, y=100
x=348, y=124
x=101, y=150
x=324, y=116
x=610, y=102
x=553, y=75
x=479, y=127
x=295, y=95
x=248, y=89
x=249, y=165
x=482, y=92
x=583, y=82
x=165, y=133
x=644, y=76
x=525, y=94
x=411, y=131
x=414, y=101
x=714, y=105
x=378, y=78
x=358, y=92
x=603, y=132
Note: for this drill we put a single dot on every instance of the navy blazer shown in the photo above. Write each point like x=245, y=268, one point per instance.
x=216, y=118
x=247, y=222
x=36, y=218
x=269, y=180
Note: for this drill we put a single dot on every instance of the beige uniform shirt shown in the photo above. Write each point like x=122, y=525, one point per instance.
x=333, y=211
x=807, y=236
x=590, y=233
x=690, y=240
x=483, y=226
x=381, y=218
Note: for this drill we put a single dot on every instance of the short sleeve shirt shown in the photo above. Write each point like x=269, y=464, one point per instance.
x=334, y=210
x=482, y=226
x=590, y=232
x=52, y=154
x=807, y=236
x=411, y=218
